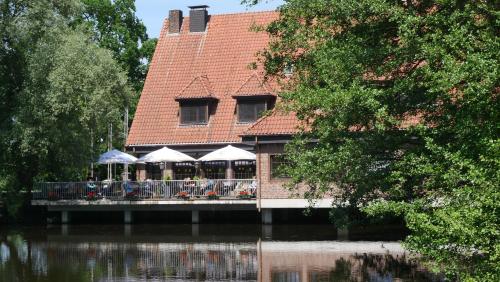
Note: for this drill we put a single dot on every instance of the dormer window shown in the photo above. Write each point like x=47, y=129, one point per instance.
x=254, y=98
x=250, y=111
x=195, y=102
x=193, y=112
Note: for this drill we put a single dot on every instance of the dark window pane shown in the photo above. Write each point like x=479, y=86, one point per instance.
x=153, y=171
x=188, y=114
x=215, y=170
x=250, y=111
x=244, y=169
x=278, y=164
x=246, y=113
x=202, y=114
x=193, y=113
x=184, y=170
x=285, y=276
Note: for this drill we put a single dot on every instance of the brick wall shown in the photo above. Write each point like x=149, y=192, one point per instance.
x=272, y=188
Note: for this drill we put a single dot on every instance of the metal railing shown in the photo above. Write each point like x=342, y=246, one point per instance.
x=147, y=190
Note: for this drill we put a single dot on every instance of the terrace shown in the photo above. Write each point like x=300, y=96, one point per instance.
x=150, y=190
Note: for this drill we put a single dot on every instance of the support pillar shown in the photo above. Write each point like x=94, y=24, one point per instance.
x=127, y=217
x=267, y=232
x=195, y=230
x=127, y=230
x=65, y=217
x=267, y=216
x=140, y=172
x=64, y=230
x=195, y=216
x=343, y=234
x=125, y=176
x=168, y=172
x=229, y=170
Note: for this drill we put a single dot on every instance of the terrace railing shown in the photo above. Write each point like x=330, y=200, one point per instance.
x=147, y=190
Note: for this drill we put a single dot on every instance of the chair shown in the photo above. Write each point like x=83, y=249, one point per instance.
x=240, y=187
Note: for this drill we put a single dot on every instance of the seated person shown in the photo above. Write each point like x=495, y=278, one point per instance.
x=210, y=185
x=148, y=188
x=128, y=188
x=91, y=187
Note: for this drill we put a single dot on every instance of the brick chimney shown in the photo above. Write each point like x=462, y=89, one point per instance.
x=174, y=21
x=198, y=18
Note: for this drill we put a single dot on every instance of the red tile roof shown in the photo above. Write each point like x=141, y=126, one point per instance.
x=198, y=88
x=276, y=123
x=254, y=86
x=221, y=56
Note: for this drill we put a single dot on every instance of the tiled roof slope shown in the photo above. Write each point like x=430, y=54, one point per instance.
x=254, y=86
x=276, y=123
x=222, y=54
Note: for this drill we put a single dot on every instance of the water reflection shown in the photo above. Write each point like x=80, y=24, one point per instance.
x=184, y=253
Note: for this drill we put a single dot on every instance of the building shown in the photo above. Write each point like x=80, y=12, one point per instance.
x=201, y=94
x=203, y=91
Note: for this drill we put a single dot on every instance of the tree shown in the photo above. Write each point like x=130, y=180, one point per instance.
x=400, y=99
x=75, y=90
x=60, y=91
x=116, y=27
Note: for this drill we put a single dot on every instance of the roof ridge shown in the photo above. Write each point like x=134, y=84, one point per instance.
x=233, y=14
x=241, y=13
x=245, y=13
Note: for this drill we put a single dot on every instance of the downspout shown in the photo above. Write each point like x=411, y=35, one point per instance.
x=258, y=173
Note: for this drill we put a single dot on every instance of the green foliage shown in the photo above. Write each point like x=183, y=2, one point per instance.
x=59, y=89
x=400, y=99
x=115, y=27
x=72, y=98
x=9, y=194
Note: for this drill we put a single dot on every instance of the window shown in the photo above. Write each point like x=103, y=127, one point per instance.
x=278, y=163
x=250, y=111
x=184, y=170
x=244, y=169
x=194, y=113
x=285, y=276
x=153, y=171
x=215, y=170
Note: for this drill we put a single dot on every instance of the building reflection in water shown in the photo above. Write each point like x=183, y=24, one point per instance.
x=63, y=258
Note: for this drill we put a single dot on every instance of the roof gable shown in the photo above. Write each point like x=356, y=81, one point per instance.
x=198, y=88
x=253, y=86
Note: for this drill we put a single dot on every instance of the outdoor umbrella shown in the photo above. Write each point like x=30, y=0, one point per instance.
x=166, y=155
x=228, y=153
x=116, y=157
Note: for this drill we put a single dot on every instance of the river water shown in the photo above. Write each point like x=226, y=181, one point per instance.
x=202, y=252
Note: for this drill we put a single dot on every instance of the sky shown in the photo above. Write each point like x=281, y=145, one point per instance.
x=153, y=12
